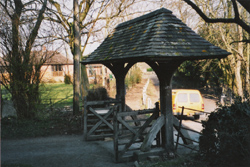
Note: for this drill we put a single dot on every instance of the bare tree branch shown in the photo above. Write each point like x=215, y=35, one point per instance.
x=34, y=32
x=235, y=20
x=5, y=8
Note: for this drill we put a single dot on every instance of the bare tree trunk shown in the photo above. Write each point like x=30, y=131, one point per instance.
x=247, y=70
x=77, y=55
x=238, y=64
x=84, y=83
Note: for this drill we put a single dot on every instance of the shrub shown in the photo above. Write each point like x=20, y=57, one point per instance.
x=149, y=70
x=99, y=93
x=133, y=77
x=67, y=79
x=225, y=138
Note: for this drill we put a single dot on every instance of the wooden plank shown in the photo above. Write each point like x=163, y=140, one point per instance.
x=102, y=111
x=126, y=125
x=103, y=130
x=116, y=133
x=91, y=103
x=123, y=114
x=85, y=130
x=137, y=135
x=146, y=145
x=138, y=120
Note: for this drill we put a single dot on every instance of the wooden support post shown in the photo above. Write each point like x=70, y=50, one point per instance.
x=166, y=110
x=120, y=70
x=165, y=71
x=121, y=90
x=116, y=133
x=158, y=136
x=85, y=130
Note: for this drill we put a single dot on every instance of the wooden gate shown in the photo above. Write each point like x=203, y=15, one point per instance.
x=129, y=133
x=98, y=119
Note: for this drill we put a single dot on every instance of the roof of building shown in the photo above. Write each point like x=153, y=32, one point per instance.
x=50, y=57
x=53, y=58
x=158, y=36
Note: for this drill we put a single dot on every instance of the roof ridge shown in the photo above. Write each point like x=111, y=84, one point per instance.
x=151, y=14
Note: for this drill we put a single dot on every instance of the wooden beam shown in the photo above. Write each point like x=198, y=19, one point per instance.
x=147, y=142
x=165, y=71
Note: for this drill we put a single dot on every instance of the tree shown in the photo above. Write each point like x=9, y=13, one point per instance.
x=92, y=15
x=20, y=27
x=237, y=19
x=227, y=36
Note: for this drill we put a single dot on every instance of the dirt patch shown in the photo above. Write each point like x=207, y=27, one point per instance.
x=134, y=95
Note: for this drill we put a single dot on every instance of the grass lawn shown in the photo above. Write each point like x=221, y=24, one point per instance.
x=57, y=94
x=52, y=94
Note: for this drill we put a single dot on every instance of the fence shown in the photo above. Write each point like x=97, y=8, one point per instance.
x=187, y=129
x=145, y=99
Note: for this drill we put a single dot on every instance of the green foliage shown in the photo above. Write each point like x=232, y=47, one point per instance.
x=149, y=69
x=189, y=75
x=225, y=138
x=67, y=79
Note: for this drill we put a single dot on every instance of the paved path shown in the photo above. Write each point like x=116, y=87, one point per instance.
x=61, y=151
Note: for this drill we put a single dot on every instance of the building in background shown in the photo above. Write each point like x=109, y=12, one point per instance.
x=56, y=66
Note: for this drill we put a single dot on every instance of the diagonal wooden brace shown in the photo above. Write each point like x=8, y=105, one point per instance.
x=102, y=119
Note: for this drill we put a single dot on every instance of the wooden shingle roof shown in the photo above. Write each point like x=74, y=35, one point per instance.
x=158, y=36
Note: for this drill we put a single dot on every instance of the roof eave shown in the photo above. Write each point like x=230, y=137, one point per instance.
x=162, y=59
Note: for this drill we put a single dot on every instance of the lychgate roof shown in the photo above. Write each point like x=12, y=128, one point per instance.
x=158, y=36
